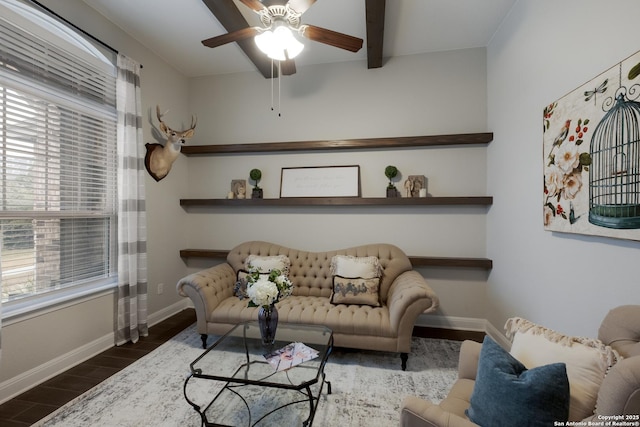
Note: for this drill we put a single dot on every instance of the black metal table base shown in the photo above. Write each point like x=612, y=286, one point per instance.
x=236, y=388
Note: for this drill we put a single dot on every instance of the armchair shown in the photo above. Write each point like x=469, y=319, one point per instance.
x=619, y=393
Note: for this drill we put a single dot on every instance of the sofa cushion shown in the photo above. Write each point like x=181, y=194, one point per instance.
x=457, y=401
x=359, y=291
x=351, y=266
x=507, y=394
x=341, y=319
x=587, y=360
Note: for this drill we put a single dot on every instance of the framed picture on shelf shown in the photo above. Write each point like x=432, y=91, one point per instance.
x=320, y=181
x=414, y=184
x=239, y=188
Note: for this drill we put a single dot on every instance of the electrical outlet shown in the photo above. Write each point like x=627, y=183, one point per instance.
x=160, y=288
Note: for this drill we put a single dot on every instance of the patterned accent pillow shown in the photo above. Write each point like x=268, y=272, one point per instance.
x=240, y=287
x=350, y=266
x=357, y=291
x=587, y=360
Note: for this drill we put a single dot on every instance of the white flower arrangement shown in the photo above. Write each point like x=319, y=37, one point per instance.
x=263, y=290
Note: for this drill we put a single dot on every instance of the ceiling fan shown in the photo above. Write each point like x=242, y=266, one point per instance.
x=280, y=21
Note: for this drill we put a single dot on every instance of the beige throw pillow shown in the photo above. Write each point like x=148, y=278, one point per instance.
x=351, y=266
x=587, y=360
x=265, y=264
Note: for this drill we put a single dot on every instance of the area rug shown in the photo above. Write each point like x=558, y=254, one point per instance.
x=367, y=387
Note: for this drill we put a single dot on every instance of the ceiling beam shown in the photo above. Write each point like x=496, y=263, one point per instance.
x=231, y=19
x=375, y=32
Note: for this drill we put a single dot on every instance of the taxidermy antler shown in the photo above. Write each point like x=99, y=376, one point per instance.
x=159, y=158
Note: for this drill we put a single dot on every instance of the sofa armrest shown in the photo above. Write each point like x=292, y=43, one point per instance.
x=409, y=296
x=619, y=393
x=207, y=288
x=468, y=362
x=416, y=412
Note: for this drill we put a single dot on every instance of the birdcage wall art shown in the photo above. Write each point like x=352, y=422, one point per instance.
x=591, y=149
x=614, y=177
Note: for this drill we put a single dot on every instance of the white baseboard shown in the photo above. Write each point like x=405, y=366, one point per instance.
x=452, y=322
x=27, y=380
x=464, y=324
x=165, y=313
x=498, y=336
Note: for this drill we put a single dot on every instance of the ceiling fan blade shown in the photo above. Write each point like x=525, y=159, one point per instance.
x=233, y=36
x=254, y=5
x=332, y=38
x=301, y=6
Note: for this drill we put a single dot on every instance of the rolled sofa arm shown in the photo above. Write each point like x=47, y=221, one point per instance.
x=619, y=393
x=207, y=288
x=417, y=412
x=409, y=296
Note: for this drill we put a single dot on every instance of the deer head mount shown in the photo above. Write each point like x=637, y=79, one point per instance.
x=160, y=158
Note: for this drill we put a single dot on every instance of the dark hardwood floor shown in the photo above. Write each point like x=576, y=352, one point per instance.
x=35, y=404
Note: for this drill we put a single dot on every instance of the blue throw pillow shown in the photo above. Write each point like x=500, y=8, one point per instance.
x=507, y=394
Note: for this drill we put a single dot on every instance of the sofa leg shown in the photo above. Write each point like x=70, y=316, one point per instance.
x=404, y=357
x=204, y=340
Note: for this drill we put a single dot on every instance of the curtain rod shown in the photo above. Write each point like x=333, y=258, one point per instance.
x=66, y=21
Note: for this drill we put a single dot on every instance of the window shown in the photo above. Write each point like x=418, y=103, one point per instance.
x=57, y=160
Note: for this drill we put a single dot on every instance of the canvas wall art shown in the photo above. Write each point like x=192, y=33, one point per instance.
x=591, y=154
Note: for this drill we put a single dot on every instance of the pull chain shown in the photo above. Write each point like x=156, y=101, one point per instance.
x=279, y=96
x=271, y=84
x=279, y=84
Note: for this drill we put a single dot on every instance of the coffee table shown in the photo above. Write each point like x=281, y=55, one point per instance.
x=247, y=390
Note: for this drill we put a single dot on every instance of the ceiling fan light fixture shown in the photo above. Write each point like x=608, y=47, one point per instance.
x=279, y=44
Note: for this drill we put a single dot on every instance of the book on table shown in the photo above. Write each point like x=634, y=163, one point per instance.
x=290, y=355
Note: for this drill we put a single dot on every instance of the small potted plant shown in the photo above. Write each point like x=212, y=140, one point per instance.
x=256, y=175
x=391, y=172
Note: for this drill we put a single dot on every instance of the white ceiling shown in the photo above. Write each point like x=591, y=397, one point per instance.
x=173, y=29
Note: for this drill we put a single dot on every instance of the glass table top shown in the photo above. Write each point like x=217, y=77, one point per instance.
x=239, y=356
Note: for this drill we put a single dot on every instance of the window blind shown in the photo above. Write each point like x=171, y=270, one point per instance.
x=57, y=161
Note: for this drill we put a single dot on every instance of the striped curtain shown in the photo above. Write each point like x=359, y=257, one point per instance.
x=132, y=227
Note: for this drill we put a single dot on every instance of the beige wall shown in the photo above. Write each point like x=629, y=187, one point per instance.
x=430, y=94
x=543, y=50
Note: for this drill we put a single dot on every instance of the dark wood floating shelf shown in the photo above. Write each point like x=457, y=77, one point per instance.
x=416, y=261
x=346, y=144
x=342, y=201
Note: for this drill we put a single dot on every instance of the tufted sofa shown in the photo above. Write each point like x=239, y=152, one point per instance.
x=404, y=295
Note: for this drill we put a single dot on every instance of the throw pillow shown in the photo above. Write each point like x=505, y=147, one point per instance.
x=351, y=266
x=508, y=394
x=265, y=264
x=240, y=287
x=358, y=291
x=587, y=360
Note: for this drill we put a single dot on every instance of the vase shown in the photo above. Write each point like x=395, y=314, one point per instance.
x=268, y=322
x=256, y=193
